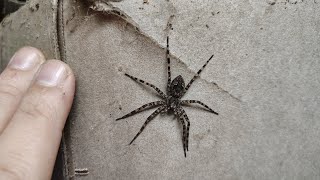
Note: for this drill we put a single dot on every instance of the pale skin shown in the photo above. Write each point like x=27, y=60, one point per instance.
x=36, y=95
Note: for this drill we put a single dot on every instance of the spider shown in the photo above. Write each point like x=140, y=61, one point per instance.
x=171, y=101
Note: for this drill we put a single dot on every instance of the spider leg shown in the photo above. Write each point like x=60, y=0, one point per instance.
x=154, y=114
x=144, y=107
x=148, y=84
x=183, y=134
x=168, y=63
x=198, y=73
x=185, y=102
x=185, y=116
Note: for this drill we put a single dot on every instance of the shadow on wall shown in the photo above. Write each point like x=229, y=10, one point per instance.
x=9, y=6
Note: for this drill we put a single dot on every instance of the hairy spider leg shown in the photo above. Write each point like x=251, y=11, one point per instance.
x=183, y=134
x=148, y=84
x=198, y=73
x=154, y=114
x=142, y=108
x=186, y=102
x=168, y=64
x=185, y=116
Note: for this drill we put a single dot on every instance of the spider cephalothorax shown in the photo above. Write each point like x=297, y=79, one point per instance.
x=171, y=102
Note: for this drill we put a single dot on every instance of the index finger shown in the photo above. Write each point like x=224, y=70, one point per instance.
x=15, y=81
x=30, y=142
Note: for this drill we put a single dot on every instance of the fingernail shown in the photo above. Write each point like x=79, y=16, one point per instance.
x=52, y=73
x=25, y=59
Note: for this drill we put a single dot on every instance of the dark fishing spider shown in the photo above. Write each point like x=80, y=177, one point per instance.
x=171, y=102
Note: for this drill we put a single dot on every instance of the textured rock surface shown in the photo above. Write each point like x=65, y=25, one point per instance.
x=33, y=25
x=264, y=82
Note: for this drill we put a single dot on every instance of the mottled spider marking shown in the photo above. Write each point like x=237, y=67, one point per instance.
x=168, y=64
x=171, y=102
x=177, y=87
x=188, y=127
x=183, y=134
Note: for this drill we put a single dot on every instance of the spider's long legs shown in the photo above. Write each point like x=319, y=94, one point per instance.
x=168, y=63
x=185, y=116
x=198, y=73
x=144, y=107
x=185, y=102
x=148, y=84
x=147, y=121
x=183, y=134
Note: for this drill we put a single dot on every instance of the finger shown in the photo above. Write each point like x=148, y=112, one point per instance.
x=16, y=79
x=30, y=142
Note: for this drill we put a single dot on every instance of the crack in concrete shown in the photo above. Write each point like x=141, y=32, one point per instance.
x=223, y=90
x=108, y=8
x=214, y=84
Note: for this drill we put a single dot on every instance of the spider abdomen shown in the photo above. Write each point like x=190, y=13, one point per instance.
x=177, y=87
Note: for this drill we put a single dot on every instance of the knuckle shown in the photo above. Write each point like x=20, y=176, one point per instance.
x=6, y=173
x=37, y=110
x=9, y=91
x=17, y=169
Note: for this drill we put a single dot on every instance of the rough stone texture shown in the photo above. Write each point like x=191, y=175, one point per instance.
x=263, y=81
x=33, y=25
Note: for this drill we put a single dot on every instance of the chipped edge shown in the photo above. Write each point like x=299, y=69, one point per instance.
x=108, y=8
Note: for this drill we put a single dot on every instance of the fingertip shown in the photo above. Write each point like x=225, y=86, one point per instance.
x=58, y=78
x=34, y=132
x=54, y=73
x=26, y=58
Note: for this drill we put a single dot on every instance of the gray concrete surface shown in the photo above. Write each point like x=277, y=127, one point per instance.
x=32, y=25
x=263, y=81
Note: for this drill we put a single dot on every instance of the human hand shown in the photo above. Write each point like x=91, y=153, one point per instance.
x=35, y=100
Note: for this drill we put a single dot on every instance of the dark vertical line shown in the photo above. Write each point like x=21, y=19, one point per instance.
x=60, y=31
x=1, y=53
x=61, y=166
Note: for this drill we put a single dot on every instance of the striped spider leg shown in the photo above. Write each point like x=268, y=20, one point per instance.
x=171, y=102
